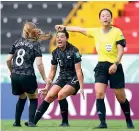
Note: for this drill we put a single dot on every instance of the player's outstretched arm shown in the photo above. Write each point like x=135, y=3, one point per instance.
x=71, y=28
x=50, y=78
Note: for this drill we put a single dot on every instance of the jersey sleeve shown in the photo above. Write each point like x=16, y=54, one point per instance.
x=90, y=32
x=12, y=50
x=120, y=38
x=77, y=56
x=54, y=59
x=37, y=50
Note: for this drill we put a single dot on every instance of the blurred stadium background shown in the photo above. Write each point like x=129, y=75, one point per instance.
x=85, y=14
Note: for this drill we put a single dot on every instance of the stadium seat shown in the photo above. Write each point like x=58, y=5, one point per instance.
x=33, y=10
x=127, y=23
x=45, y=13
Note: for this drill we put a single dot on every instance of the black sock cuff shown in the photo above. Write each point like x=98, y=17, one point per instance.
x=44, y=105
x=33, y=100
x=125, y=103
x=100, y=100
x=63, y=104
x=62, y=101
x=23, y=100
x=45, y=102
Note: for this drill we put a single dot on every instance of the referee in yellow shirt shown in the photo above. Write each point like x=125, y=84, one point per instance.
x=110, y=44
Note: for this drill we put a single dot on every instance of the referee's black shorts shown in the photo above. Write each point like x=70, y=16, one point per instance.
x=23, y=83
x=72, y=82
x=117, y=80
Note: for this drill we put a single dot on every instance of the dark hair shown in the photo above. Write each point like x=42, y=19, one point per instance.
x=65, y=32
x=107, y=10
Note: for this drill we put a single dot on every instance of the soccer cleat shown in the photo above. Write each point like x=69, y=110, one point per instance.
x=16, y=125
x=130, y=124
x=64, y=125
x=30, y=124
x=102, y=125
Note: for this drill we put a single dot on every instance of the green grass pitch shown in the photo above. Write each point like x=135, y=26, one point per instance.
x=75, y=125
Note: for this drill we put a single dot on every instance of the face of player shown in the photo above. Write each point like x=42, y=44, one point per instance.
x=61, y=40
x=105, y=18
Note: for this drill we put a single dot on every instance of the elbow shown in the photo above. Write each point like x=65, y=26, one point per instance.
x=39, y=64
x=79, y=73
x=8, y=61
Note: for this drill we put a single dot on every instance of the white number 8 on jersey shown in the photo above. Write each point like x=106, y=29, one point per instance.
x=20, y=55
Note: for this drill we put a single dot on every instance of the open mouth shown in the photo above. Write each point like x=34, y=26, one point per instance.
x=59, y=42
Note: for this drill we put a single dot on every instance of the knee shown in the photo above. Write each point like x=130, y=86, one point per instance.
x=23, y=96
x=100, y=95
x=61, y=96
x=121, y=99
x=50, y=98
x=33, y=96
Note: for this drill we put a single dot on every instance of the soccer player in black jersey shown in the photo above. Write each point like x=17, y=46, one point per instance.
x=20, y=63
x=70, y=78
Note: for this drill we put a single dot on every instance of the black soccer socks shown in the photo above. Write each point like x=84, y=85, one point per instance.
x=64, y=110
x=126, y=109
x=32, y=109
x=19, y=109
x=101, y=110
x=41, y=110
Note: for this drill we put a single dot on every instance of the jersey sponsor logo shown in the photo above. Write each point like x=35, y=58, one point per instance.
x=108, y=47
x=74, y=81
x=68, y=57
x=99, y=113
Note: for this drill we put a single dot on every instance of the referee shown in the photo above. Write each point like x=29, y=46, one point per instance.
x=110, y=44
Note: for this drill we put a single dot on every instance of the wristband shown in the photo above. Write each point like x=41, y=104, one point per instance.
x=117, y=63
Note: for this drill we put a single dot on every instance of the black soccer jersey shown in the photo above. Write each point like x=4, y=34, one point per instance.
x=24, y=53
x=66, y=60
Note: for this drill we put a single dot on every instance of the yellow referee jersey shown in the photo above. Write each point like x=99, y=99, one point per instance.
x=106, y=42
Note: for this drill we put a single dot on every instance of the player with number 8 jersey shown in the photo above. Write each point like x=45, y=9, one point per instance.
x=25, y=51
x=20, y=63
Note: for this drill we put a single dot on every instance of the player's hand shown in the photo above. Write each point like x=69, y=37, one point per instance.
x=112, y=69
x=82, y=93
x=59, y=27
x=43, y=92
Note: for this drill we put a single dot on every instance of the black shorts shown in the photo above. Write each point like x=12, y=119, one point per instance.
x=23, y=83
x=73, y=82
x=117, y=80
